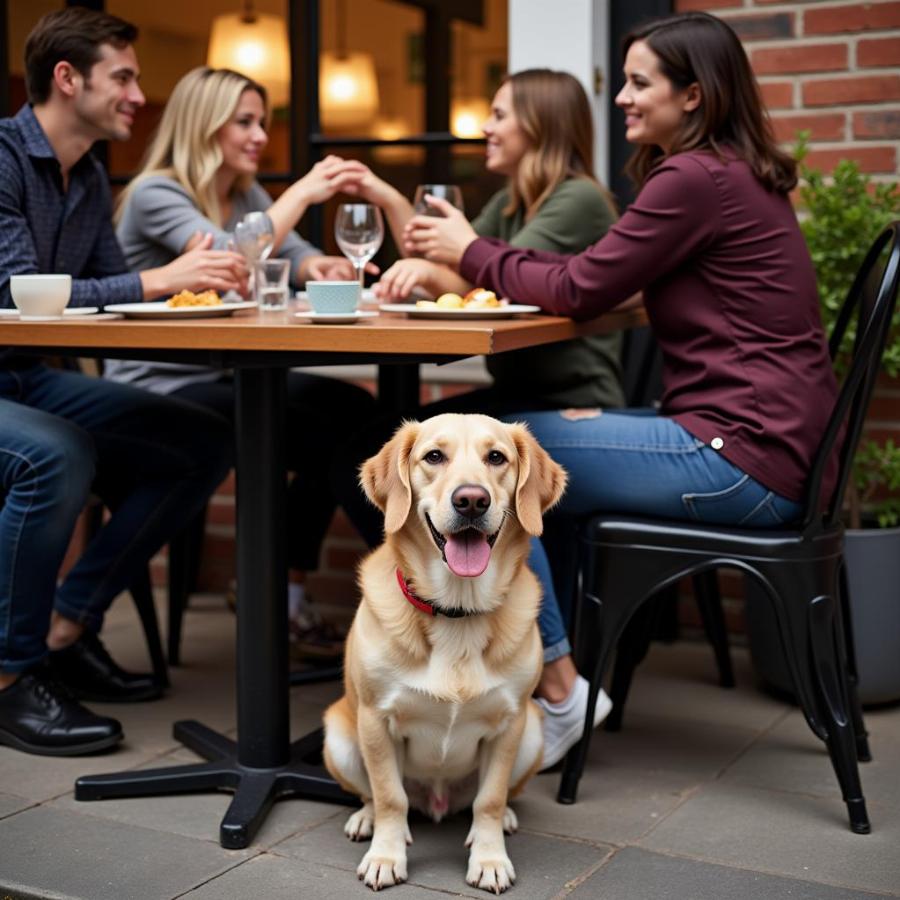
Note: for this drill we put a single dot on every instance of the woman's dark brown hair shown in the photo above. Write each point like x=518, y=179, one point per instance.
x=696, y=47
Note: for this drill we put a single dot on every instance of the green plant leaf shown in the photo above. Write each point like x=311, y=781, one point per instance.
x=840, y=217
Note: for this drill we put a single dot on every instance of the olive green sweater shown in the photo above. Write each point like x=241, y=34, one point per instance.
x=584, y=372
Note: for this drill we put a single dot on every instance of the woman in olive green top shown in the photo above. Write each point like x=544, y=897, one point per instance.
x=540, y=135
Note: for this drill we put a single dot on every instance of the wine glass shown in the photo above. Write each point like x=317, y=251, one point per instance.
x=359, y=230
x=254, y=236
x=449, y=192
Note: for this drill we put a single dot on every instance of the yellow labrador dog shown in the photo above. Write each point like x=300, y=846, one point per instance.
x=444, y=652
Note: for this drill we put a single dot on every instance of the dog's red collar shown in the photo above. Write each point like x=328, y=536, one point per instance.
x=429, y=607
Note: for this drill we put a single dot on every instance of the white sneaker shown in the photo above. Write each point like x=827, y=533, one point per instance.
x=564, y=722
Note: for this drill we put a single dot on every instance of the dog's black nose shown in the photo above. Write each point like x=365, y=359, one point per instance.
x=470, y=500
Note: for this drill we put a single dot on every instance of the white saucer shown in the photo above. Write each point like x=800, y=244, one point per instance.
x=336, y=318
x=68, y=311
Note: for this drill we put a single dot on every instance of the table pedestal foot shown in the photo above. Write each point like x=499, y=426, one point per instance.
x=255, y=789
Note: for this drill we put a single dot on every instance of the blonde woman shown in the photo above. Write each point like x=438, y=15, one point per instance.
x=540, y=136
x=198, y=178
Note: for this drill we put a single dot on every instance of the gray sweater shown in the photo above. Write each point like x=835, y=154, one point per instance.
x=159, y=219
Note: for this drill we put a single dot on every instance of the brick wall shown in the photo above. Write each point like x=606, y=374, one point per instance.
x=829, y=67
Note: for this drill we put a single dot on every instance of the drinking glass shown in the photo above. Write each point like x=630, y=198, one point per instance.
x=359, y=230
x=270, y=277
x=254, y=239
x=449, y=192
x=254, y=236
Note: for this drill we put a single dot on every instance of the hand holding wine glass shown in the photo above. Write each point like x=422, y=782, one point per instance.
x=449, y=192
x=359, y=231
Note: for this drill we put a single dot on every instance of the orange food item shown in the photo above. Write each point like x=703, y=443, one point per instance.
x=189, y=298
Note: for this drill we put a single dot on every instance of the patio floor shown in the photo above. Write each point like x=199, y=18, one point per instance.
x=706, y=794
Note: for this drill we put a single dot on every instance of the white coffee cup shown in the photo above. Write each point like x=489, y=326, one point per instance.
x=40, y=296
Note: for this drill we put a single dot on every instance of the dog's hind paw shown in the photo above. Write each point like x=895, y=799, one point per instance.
x=360, y=825
x=381, y=870
x=510, y=821
x=494, y=874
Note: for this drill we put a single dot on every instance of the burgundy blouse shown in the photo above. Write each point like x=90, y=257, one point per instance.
x=730, y=292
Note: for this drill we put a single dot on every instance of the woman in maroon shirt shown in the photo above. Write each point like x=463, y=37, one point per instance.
x=729, y=288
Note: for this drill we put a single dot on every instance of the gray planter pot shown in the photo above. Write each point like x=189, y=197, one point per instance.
x=873, y=572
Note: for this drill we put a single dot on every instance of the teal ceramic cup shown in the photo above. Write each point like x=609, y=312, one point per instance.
x=333, y=297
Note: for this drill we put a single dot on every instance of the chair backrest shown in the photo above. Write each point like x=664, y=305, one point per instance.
x=872, y=300
x=641, y=368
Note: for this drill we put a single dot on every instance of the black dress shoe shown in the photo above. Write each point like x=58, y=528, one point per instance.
x=90, y=673
x=38, y=715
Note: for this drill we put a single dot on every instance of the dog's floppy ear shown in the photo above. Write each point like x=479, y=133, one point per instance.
x=385, y=477
x=541, y=480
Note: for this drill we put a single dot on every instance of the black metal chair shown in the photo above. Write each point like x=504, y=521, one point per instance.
x=182, y=568
x=658, y=617
x=625, y=559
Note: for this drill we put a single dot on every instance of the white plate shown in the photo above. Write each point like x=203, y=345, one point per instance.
x=336, y=318
x=68, y=311
x=508, y=310
x=160, y=310
x=367, y=296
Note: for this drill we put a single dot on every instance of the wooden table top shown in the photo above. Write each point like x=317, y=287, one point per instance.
x=251, y=330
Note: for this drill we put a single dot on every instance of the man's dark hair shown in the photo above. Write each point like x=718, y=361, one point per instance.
x=73, y=35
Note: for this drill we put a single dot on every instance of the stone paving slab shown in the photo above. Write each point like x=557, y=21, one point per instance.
x=199, y=815
x=11, y=804
x=437, y=858
x=680, y=681
x=796, y=835
x=613, y=807
x=41, y=778
x=792, y=758
x=634, y=874
x=52, y=852
x=276, y=878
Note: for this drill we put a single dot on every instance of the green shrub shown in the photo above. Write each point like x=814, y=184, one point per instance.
x=841, y=215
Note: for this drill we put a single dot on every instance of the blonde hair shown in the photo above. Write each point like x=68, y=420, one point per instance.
x=184, y=145
x=553, y=112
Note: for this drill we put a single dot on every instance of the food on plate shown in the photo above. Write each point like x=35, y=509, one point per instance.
x=481, y=298
x=189, y=298
x=477, y=298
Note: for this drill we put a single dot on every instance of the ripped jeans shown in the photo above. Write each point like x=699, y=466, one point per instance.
x=643, y=465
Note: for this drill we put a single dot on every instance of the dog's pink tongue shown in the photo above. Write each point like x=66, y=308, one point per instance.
x=468, y=553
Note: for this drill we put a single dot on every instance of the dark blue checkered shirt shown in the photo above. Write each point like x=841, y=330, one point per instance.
x=45, y=229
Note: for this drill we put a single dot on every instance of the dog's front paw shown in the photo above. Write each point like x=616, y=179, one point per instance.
x=382, y=869
x=510, y=821
x=490, y=872
x=360, y=825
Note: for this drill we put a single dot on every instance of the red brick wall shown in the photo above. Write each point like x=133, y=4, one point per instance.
x=830, y=67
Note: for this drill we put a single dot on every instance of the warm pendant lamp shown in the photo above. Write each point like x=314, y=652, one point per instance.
x=256, y=45
x=468, y=115
x=348, y=88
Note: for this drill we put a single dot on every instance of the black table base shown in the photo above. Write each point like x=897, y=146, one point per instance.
x=255, y=790
x=262, y=765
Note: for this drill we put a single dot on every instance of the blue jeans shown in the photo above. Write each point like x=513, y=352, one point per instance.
x=156, y=462
x=644, y=465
